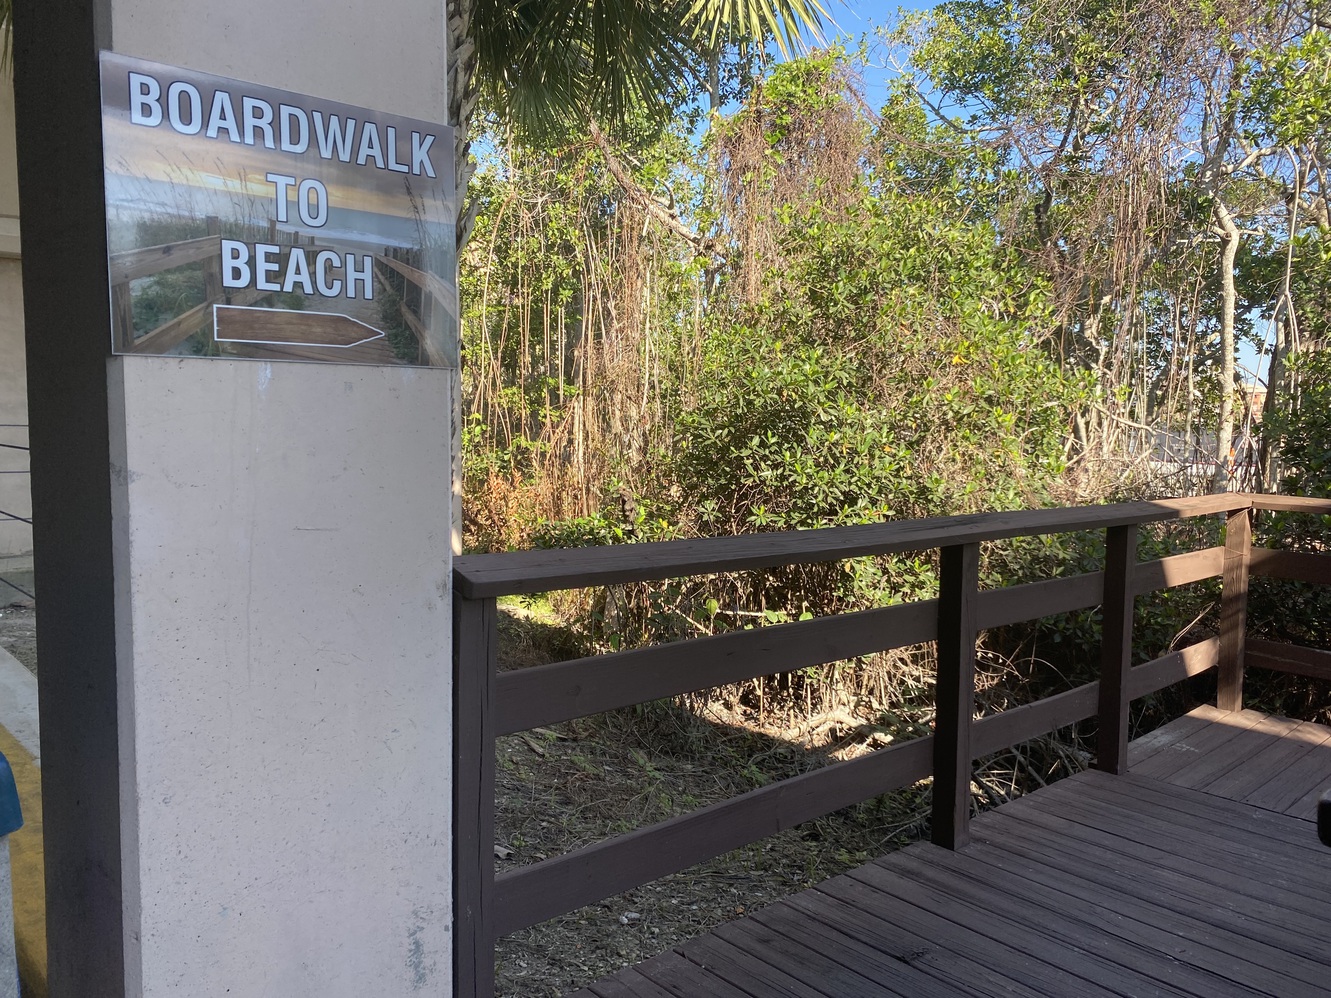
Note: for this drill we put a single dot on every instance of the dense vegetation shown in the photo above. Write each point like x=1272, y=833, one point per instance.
x=1022, y=280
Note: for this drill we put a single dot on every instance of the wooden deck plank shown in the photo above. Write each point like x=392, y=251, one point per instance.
x=1245, y=819
x=1236, y=752
x=1136, y=928
x=1253, y=858
x=803, y=963
x=1305, y=808
x=854, y=954
x=1257, y=772
x=747, y=971
x=1251, y=888
x=1285, y=788
x=627, y=984
x=1141, y=749
x=1089, y=956
x=963, y=958
x=1161, y=886
x=1058, y=932
x=1151, y=884
x=1139, y=927
x=684, y=978
x=1211, y=738
x=963, y=935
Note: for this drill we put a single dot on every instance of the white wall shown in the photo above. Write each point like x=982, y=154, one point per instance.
x=283, y=620
x=15, y=497
x=283, y=614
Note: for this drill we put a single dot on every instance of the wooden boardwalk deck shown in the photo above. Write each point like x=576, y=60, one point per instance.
x=1199, y=874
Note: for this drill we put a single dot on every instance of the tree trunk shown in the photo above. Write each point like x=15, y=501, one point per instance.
x=1229, y=298
x=462, y=97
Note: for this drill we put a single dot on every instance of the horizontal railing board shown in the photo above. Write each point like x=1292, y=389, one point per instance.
x=1012, y=727
x=1298, y=566
x=1175, y=667
x=517, y=572
x=1177, y=570
x=1290, y=504
x=1032, y=600
x=551, y=887
x=148, y=260
x=1314, y=663
x=548, y=694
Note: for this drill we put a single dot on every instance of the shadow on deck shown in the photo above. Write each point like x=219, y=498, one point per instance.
x=1198, y=873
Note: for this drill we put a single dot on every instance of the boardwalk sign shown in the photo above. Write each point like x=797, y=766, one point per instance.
x=245, y=221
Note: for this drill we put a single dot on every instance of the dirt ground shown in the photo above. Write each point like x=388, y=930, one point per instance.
x=564, y=787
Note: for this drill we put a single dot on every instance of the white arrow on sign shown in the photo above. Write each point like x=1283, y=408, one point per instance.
x=284, y=327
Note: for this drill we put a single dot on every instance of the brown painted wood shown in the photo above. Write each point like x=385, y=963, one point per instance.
x=541, y=571
x=1164, y=764
x=948, y=881
x=1173, y=668
x=1033, y=600
x=818, y=927
x=959, y=928
x=795, y=958
x=959, y=574
x=1141, y=925
x=1257, y=772
x=475, y=650
x=1305, y=808
x=1250, y=884
x=1293, y=504
x=1314, y=663
x=1197, y=911
x=1234, y=609
x=1097, y=885
x=1238, y=751
x=1162, y=737
x=1018, y=724
x=684, y=978
x=751, y=973
x=1291, y=784
x=547, y=694
x=1011, y=727
x=1229, y=816
x=148, y=260
x=1247, y=853
x=1300, y=566
x=865, y=914
x=1177, y=570
x=551, y=887
x=1116, y=649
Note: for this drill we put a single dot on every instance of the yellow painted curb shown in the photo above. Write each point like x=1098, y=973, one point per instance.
x=26, y=861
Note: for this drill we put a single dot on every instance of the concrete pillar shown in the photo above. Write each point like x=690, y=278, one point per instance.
x=245, y=696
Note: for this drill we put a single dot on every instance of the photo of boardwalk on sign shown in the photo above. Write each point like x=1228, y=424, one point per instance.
x=246, y=221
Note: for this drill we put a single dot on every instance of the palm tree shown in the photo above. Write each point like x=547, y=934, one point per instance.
x=561, y=67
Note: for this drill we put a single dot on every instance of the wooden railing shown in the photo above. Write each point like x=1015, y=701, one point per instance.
x=149, y=261
x=422, y=294
x=489, y=704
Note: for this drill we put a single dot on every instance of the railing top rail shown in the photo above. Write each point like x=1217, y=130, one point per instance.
x=516, y=572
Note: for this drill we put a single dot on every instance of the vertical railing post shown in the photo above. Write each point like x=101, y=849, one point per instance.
x=957, y=593
x=475, y=645
x=1234, y=609
x=1116, y=649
